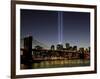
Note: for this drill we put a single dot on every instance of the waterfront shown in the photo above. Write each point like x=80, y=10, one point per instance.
x=61, y=63
x=54, y=57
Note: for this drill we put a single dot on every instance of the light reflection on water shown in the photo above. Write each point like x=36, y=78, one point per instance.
x=60, y=63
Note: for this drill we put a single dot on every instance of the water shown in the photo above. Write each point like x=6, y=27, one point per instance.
x=60, y=63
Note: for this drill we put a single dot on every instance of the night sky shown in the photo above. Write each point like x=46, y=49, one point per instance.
x=43, y=26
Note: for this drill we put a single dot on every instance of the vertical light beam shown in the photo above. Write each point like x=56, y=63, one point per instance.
x=61, y=14
x=60, y=27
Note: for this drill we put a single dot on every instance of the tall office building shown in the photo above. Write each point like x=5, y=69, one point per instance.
x=75, y=48
x=59, y=47
x=89, y=49
x=52, y=47
x=67, y=45
x=81, y=50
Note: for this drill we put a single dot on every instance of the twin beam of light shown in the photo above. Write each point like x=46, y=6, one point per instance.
x=60, y=27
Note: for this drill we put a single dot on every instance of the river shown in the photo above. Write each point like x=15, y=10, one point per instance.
x=60, y=63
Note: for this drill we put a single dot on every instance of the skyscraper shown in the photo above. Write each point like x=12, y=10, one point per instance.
x=67, y=45
x=59, y=47
x=52, y=47
x=75, y=48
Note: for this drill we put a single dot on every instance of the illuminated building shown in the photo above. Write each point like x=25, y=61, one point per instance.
x=67, y=45
x=59, y=47
x=75, y=48
x=52, y=47
x=81, y=50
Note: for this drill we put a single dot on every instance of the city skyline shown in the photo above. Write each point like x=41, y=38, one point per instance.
x=43, y=26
